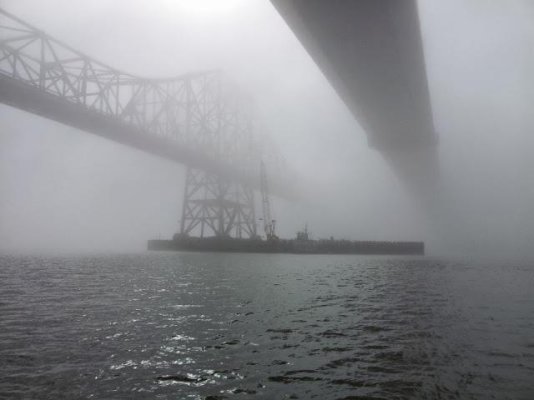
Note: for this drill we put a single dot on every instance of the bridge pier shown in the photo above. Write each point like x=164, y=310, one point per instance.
x=216, y=206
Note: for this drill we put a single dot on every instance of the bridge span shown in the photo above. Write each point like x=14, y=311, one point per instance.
x=200, y=120
x=371, y=52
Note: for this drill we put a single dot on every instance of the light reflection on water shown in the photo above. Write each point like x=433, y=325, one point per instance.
x=264, y=326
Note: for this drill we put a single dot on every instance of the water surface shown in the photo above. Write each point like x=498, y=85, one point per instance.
x=232, y=326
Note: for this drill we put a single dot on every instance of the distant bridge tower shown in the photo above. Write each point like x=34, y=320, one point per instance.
x=221, y=120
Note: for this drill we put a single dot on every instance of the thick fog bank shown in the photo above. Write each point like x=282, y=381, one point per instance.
x=66, y=189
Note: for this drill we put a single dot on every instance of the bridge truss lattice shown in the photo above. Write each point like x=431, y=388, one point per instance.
x=198, y=119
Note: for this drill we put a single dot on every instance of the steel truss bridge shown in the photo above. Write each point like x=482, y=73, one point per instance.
x=198, y=119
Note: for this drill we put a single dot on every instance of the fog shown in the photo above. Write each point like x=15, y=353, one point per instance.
x=64, y=189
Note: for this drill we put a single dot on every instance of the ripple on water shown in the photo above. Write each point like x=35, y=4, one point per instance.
x=206, y=326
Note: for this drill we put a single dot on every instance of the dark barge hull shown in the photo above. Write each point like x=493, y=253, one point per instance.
x=292, y=246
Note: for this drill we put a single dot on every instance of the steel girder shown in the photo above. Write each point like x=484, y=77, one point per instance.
x=199, y=119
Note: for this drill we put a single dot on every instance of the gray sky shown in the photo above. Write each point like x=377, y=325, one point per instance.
x=66, y=189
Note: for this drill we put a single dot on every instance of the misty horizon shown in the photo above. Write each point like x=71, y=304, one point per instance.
x=63, y=189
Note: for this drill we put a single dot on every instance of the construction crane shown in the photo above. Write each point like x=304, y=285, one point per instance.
x=269, y=224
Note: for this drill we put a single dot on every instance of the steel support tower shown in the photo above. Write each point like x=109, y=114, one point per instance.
x=215, y=206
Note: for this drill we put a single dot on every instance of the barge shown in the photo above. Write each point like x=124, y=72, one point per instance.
x=299, y=245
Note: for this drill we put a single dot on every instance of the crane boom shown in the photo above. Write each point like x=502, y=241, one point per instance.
x=269, y=224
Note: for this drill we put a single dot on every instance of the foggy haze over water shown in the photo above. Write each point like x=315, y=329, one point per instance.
x=105, y=318
x=65, y=189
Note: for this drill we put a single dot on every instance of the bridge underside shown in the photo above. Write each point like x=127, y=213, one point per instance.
x=27, y=98
x=371, y=52
x=17, y=94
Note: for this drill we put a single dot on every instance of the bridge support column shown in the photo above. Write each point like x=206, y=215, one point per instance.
x=214, y=206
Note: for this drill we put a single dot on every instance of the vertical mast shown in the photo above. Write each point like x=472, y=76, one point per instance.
x=268, y=221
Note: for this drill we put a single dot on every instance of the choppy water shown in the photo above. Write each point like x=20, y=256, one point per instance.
x=225, y=326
